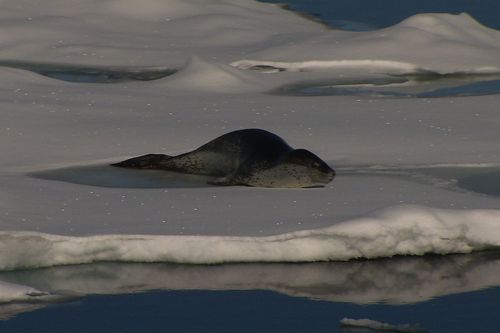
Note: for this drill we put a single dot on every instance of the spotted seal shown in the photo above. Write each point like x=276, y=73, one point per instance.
x=251, y=157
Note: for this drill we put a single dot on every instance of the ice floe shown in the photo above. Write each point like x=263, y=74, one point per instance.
x=60, y=205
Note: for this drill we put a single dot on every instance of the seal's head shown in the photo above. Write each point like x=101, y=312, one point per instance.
x=311, y=169
x=297, y=168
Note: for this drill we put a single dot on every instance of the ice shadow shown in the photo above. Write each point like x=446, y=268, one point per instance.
x=109, y=176
x=416, y=85
x=487, y=182
x=477, y=179
x=398, y=280
x=483, y=180
x=91, y=74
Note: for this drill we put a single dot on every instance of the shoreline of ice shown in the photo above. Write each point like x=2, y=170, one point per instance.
x=403, y=230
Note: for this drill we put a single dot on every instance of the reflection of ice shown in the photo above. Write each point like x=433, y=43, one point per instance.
x=13, y=292
x=15, y=298
x=379, y=326
x=395, y=281
x=9, y=310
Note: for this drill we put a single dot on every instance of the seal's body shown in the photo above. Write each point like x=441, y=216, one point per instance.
x=251, y=157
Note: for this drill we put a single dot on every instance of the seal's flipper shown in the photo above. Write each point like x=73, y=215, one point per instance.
x=149, y=161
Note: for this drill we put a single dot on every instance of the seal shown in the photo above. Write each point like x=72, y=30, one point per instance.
x=251, y=157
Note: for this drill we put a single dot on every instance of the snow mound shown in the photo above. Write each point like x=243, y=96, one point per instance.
x=460, y=27
x=151, y=9
x=202, y=75
x=443, y=43
x=401, y=230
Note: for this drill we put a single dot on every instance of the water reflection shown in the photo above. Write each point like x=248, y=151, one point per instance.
x=397, y=280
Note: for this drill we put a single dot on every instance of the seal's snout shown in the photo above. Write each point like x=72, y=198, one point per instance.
x=325, y=168
x=327, y=171
x=331, y=174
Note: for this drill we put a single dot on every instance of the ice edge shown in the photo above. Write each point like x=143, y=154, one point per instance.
x=398, y=230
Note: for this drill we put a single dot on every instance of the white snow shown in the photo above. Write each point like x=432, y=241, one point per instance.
x=69, y=130
x=385, y=66
x=404, y=230
x=439, y=42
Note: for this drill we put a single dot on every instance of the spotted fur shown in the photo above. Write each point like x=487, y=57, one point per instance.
x=251, y=157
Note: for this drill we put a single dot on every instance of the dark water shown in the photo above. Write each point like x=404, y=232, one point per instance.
x=253, y=311
x=452, y=293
